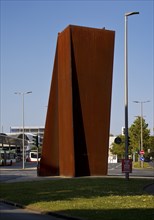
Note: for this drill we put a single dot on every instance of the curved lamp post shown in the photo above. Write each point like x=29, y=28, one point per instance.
x=126, y=86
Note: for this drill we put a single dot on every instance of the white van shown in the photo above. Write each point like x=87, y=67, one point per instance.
x=33, y=156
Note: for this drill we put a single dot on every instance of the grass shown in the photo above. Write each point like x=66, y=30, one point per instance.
x=138, y=165
x=87, y=198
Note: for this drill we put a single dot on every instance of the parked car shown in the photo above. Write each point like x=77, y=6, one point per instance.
x=33, y=157
x=147, y=159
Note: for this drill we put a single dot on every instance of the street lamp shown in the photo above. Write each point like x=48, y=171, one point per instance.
x=126, y=87
x=141, y=103
x=23, y=144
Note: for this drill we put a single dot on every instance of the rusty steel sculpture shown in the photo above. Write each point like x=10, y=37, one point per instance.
x=77, y=126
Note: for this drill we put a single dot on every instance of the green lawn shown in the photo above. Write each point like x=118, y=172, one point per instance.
x=145, y=165
x=87, y=198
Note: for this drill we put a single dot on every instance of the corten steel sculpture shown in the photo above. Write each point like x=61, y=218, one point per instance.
x=78, y=118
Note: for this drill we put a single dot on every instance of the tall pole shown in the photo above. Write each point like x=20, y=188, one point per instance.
x=141, y=126
x=141, y=141
x=126, y=97
x=23, y=127
x=1, y=130
x=126, y=87
x=23, y=133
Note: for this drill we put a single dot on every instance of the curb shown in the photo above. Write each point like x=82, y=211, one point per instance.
x=12, y=203
x=54, y=214
x=18, y=169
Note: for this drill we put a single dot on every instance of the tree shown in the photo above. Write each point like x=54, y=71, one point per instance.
x=135, y=135
x=150, y=152
x=135, y=140
x=151, y=143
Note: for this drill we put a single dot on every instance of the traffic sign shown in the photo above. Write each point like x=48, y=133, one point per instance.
x=117, y=140
x=126, y=166
x=142, y=158
x=142, y=152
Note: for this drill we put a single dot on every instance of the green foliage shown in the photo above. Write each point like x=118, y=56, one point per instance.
x=151, y=143
x=135, y=134
x=135, y=140
x=150, y=153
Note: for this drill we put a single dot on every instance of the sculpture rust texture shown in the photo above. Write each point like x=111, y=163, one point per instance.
x=76, y=137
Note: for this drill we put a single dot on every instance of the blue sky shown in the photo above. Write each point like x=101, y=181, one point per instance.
x=28, y=34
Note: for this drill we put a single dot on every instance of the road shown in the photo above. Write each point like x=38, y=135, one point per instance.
x=15, y=173
x=115, y=169
x=9, y=212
